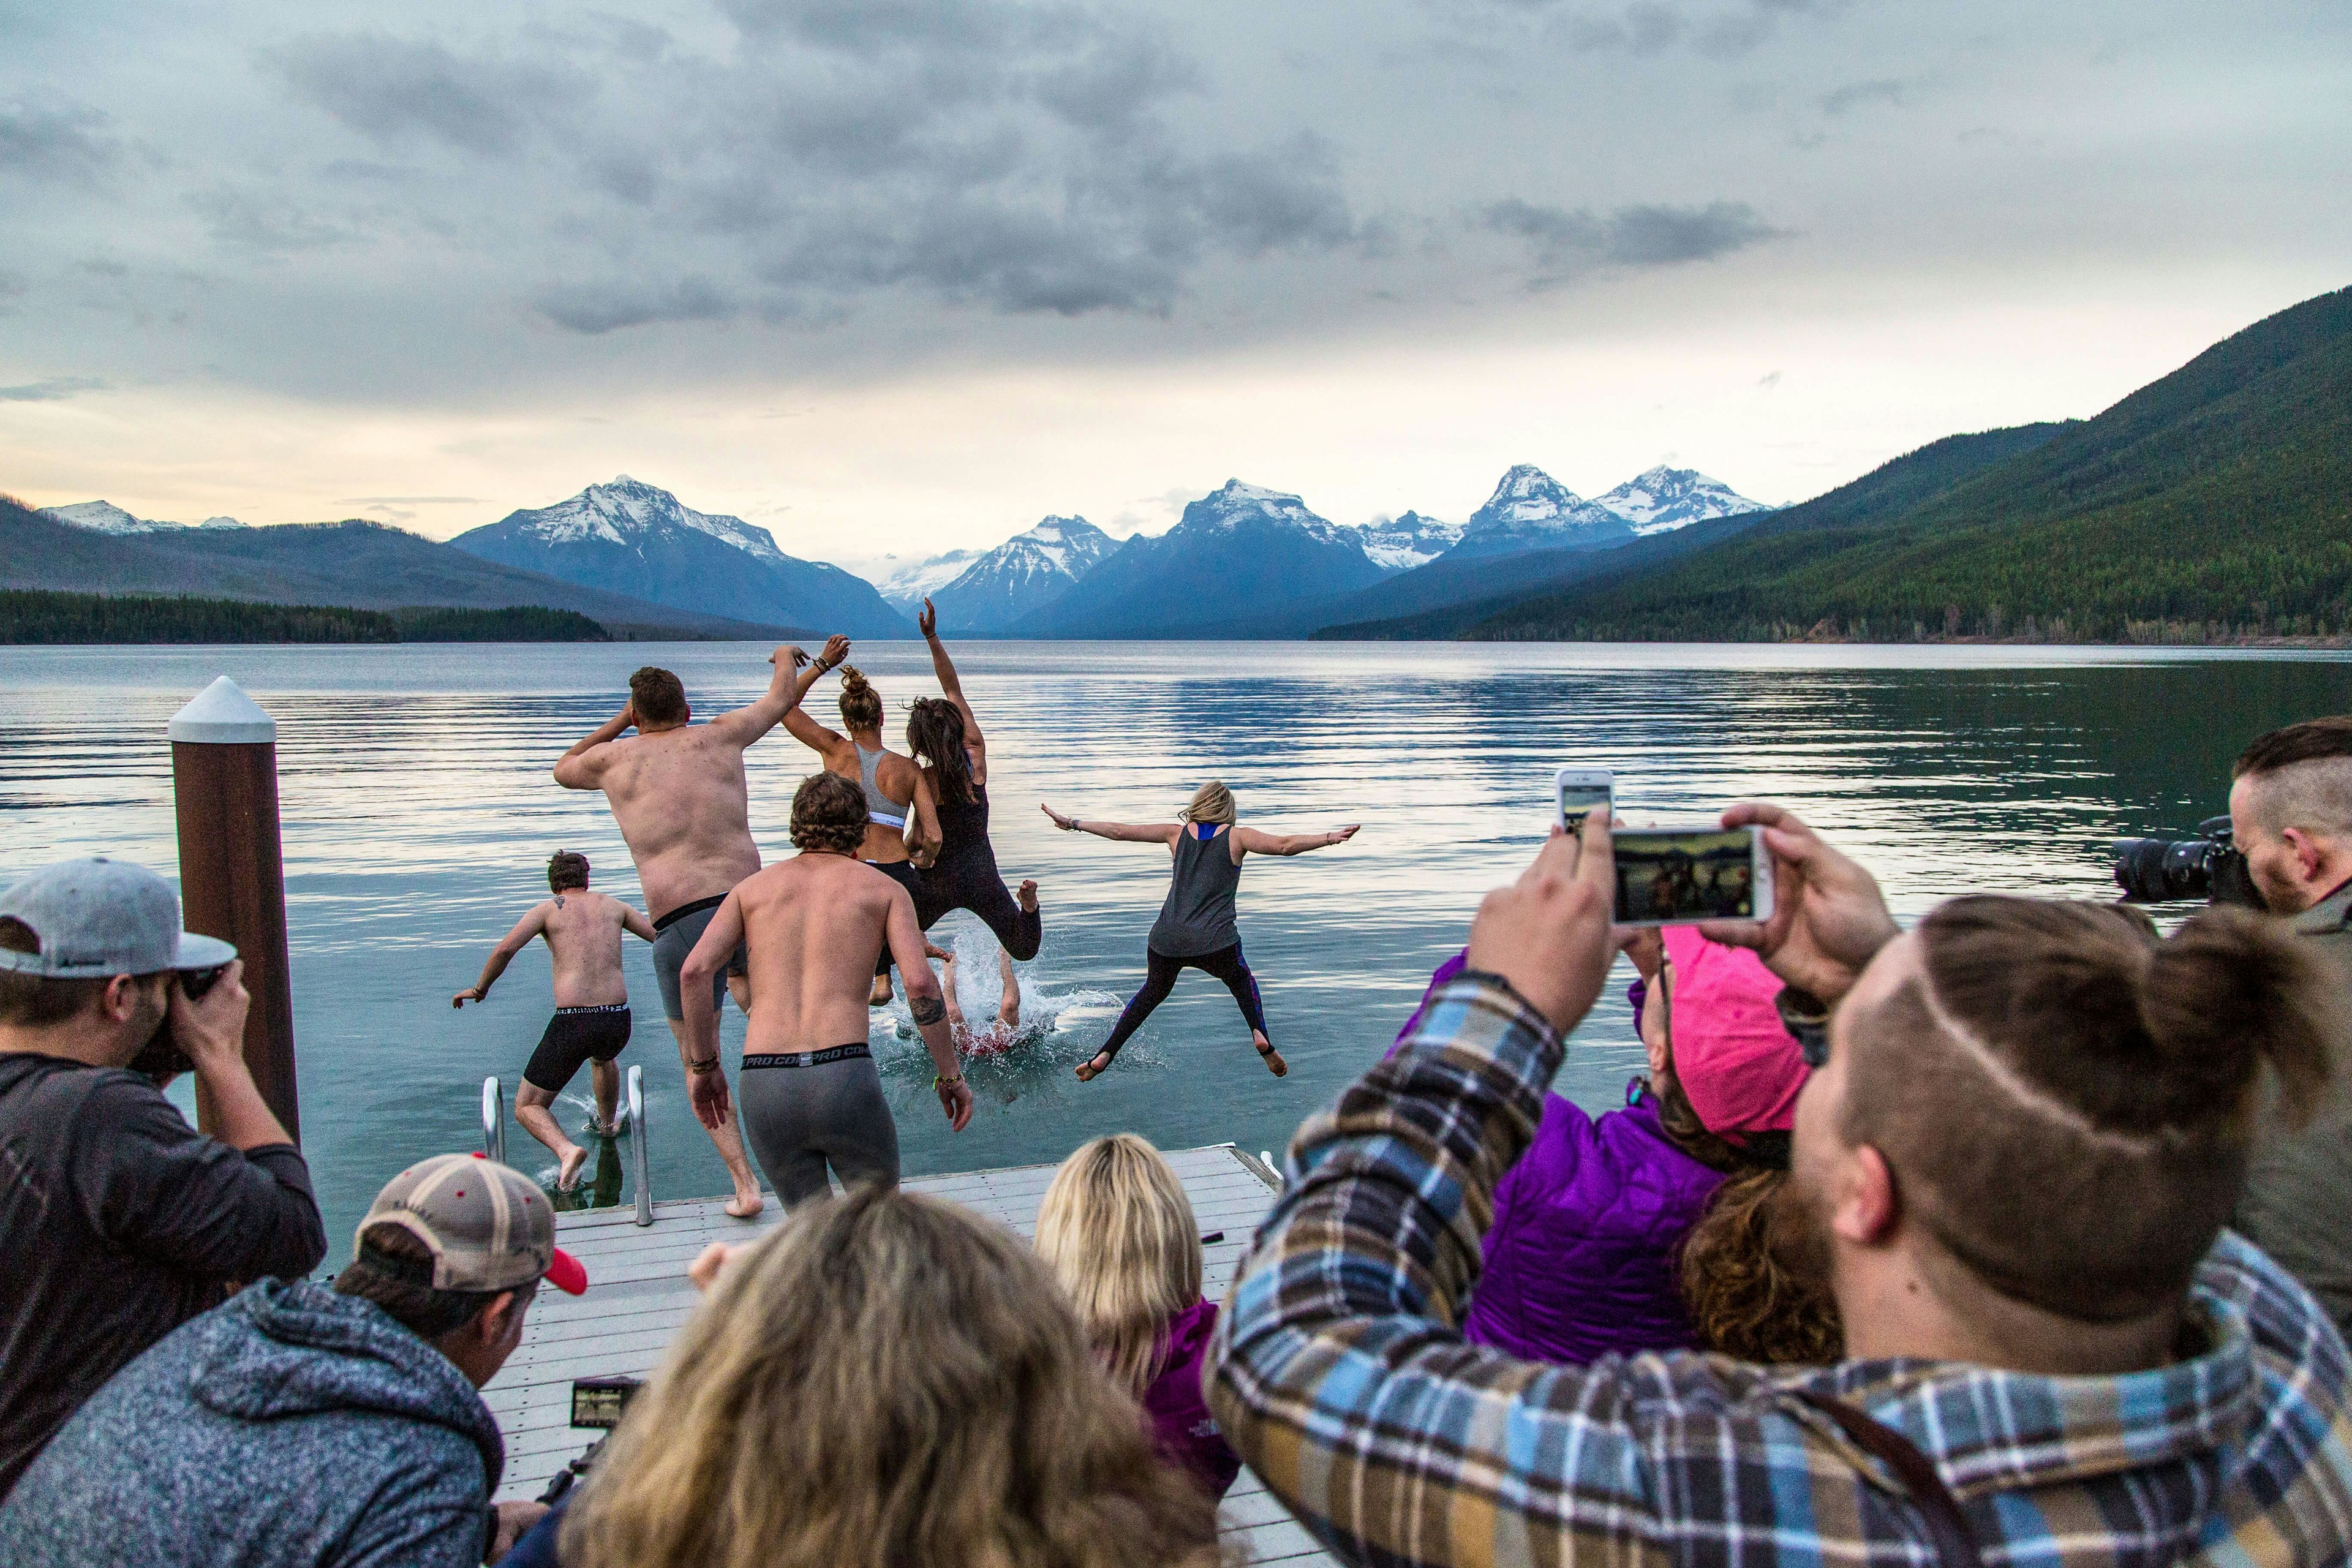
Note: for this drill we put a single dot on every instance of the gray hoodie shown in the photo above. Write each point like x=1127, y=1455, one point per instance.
x=288, y=1426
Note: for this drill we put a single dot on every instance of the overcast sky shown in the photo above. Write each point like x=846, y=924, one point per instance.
x=897, y=276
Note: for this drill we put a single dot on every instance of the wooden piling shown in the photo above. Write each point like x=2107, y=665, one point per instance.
x=233, y=874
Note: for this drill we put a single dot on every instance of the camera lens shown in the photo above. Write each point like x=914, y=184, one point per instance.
x=2164, y=870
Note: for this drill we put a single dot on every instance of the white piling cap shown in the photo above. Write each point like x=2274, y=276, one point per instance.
x=223, y=715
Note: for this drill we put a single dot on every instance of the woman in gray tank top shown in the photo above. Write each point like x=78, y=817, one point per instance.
x=902, y=824
x=1196, y=929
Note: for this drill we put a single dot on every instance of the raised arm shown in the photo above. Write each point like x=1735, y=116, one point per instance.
x=1250, y=841
x=803, y=728
x=974, y=743
x=514, y=942
x=583, y=767
x=705, y=1083
x=744, y=726
x=929, y=1006
x=1122, y=832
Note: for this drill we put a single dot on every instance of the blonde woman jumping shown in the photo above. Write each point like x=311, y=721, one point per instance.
x=1196, y=929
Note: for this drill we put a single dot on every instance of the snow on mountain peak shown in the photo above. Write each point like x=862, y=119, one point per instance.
x=1234, y=503
x=1413, y=539
x=105, y=517
x=1665, y=498
x=627, y=510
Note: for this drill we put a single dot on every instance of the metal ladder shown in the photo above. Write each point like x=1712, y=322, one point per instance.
x=632, y=1099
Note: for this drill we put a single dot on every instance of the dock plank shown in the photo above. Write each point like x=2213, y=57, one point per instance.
x=638, y=1299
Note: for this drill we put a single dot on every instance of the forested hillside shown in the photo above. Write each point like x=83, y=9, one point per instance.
x=31, y=616
x=2214, y=503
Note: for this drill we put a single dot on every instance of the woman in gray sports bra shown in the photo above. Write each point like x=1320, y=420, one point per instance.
x=902, y=824
x=1196, y=927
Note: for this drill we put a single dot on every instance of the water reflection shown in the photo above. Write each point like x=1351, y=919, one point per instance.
x=419, y=816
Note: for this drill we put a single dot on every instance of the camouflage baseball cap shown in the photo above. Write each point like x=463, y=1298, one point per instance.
x=488, y=1225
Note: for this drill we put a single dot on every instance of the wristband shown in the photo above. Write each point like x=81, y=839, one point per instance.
x=698, y=1069
x=938, y=1082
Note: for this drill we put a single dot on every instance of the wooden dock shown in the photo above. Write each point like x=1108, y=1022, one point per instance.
x=638, y=1298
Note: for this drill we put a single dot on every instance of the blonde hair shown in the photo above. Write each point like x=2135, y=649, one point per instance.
x=886, y=1379
x=1213, y=801
x=1119, y=1233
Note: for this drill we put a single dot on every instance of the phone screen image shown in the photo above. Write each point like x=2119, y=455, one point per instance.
x=1576, y=800
x=1668, y=877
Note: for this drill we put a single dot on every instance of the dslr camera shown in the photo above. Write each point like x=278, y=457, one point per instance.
x=2167, y=871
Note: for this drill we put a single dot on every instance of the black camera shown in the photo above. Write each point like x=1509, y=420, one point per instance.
x=597, y=1403
x=2165, y=870
x=162, y=1057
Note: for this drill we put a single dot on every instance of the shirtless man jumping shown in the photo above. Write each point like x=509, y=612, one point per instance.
x=591, y=1003
x=813, y=927
x=677, y=792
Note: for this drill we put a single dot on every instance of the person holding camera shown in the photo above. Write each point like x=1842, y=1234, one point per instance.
x=2011, y=1168
x=122, y=1222
x=2290, y=817
x=302, y=1424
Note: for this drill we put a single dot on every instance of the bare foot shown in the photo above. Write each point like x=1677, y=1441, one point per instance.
x=743, y=1205
x=1094, y=1068
x=1273, y=1062
x=1028, y=896
x=567, y=1174
x=880, y=996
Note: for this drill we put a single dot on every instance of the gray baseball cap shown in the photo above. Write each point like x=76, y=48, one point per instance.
x=98, y=918
x=488, y=1226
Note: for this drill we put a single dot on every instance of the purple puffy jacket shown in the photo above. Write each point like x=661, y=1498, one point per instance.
x=1580, y=1258
x=1186, y=1433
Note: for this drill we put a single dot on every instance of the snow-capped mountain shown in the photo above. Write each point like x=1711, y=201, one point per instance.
x=1025, y=573
x=904, y=587
x=1665, y=498
x=1531, y=510
x=1414, y=538
x=1239, y=550
x=630, y=537
x=105, y=517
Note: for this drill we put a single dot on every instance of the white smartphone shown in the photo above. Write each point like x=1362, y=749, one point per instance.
x=1583, y=790
x=1681, y=873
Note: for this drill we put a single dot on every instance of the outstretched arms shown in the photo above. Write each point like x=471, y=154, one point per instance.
x=1122, y=832
x=583, y=767
x=1250, y=841
x=974, y=743
x=754, y=719
x=514, y=942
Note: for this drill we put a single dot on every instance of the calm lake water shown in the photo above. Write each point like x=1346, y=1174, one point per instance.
x=419, y=816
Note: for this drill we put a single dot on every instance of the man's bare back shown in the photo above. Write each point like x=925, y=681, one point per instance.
x=582, y=931
x=680, y=798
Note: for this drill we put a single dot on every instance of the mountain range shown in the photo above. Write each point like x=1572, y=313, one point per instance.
x=1243, y=561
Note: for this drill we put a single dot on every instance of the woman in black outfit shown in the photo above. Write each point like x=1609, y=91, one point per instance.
x=945, y=741
x=1196, y=929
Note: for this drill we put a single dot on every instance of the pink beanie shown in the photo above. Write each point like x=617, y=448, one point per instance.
x=1737, y=1064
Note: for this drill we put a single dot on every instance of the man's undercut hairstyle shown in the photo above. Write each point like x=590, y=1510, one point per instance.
x=658, y=697
x=2067, y=1103
x=38, y=1001
x=2305, y=776
x=566, y=870
x=394, y=1270
x=828, y=812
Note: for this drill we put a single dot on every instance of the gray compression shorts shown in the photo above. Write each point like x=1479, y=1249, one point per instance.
x=813, y=1109
x=675, y=935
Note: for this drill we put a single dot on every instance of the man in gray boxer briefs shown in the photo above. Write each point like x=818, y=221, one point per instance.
x=814, y=927
x=677, y=792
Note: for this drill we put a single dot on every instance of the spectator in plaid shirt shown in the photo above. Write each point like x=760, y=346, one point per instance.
x=2014, y=1170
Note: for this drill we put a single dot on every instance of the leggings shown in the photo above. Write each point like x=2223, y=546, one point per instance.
x=804, y=1112
x=970, y=881
x=1159, y=979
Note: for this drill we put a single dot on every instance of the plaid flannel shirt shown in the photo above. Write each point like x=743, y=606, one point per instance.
x=1339, y=1375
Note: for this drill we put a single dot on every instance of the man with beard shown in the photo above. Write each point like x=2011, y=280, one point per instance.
x=2013, y=1169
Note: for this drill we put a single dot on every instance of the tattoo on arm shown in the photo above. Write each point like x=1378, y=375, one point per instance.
x=927, y=1009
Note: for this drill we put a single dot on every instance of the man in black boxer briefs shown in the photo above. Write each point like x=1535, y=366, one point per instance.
x=583, y=930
